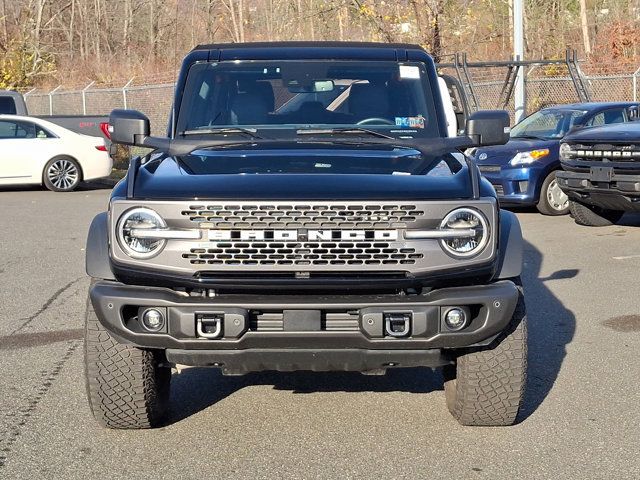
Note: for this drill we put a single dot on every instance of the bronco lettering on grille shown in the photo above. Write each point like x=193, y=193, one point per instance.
x=301, y=234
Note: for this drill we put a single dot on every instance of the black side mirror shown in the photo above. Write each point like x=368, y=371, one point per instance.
x=128, y=127
x=489, y=127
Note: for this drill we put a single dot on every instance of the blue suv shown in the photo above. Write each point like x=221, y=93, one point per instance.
x=523, y=171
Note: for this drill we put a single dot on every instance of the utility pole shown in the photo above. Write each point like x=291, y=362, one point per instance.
x=585, y=27
x=520, y=101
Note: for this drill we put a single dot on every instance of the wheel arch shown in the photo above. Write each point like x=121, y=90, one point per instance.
x=97, y=263
x=552, y=167
x=511, y=246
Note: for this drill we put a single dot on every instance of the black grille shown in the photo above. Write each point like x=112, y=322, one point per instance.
x=607, y=152
x=302, y=253
x=331, y=321
x=489, y=168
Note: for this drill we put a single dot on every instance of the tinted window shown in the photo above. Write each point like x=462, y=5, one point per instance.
x=7, y=106
x=613, y=115
x=17, y=129
x=43, y=133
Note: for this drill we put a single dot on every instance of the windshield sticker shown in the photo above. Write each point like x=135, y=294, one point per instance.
x=409, y=71
x=410, y=122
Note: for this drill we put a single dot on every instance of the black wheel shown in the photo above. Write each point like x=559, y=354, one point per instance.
x=126, y=386
x=592, y=216
x=486, y=386
x=62, y=174
x=553, y=201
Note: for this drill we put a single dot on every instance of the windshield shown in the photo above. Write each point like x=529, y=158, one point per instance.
x=388, y=97
x=547, y=124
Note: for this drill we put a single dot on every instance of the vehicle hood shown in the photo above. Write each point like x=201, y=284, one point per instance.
x=167, y=177
x=502, y=154
x=619, y=132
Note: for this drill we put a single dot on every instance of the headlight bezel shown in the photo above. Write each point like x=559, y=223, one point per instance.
x=122, y=243
x=566, y=151
x=482, y=244
x=528, y=157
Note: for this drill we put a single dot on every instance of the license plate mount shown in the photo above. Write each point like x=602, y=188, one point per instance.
x=601, y=174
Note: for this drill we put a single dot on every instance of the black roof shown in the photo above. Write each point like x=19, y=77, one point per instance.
x=614, y=133
x=308, y=44
x=590, y=105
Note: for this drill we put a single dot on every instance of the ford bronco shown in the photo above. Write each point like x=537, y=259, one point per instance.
x=309, y=209
x=602, y=173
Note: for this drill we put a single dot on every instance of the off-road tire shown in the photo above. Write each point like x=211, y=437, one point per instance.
x=126, y=386
x=486, y=386
x=592, y=216
x=544, y=206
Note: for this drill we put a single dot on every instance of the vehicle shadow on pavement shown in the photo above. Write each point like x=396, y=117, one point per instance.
x=196, y=389
x=82, y=187
x=551, y=328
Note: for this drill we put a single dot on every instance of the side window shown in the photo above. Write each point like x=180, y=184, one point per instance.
x=7, y=106
x=43, y=133
x=596, y=120
x=16, y=130
x=613, y=115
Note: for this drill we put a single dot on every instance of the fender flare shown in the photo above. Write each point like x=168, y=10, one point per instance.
x=511, y=246
x=97, y=263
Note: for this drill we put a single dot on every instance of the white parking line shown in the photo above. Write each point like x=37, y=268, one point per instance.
x=627, y=257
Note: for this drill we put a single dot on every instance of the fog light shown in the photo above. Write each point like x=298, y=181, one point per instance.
x=153, y=320
x=523, y=186
x=455, y=319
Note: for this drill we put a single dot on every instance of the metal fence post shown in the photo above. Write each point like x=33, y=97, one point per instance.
x=635, y=84
x=26, y=95
x=124, y=92
x=51, y=99
x=84, y=97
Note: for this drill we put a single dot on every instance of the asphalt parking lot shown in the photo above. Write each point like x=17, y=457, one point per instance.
x=580, y=419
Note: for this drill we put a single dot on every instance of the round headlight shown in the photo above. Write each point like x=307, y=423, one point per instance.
x=565, y=151
x=474, y=232
x=138, y=219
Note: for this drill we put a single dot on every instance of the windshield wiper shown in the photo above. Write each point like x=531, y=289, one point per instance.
x=347, y=130
x=222, y=131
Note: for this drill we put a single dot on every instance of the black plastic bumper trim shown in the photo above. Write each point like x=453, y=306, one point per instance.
x=622, y=192
x=239, y=362
x=264, y=282
x=494, y=303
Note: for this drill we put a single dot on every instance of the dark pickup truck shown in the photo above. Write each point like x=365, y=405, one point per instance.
x=348, y=235
x=602, y=173
x=13, y=103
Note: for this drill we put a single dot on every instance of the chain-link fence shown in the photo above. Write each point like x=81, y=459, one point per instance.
x=155, y=100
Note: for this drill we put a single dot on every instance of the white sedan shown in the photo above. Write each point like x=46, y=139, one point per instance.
x=34, y=151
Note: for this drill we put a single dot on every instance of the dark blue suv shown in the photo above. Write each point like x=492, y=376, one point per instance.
x=523, y=171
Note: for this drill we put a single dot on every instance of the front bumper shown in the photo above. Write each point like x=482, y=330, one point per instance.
x=278, y=332
x=602, y=188
x=516, y=186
